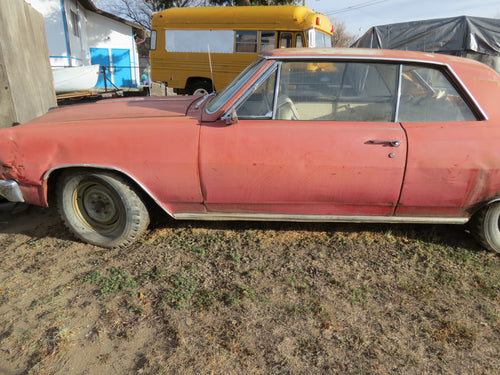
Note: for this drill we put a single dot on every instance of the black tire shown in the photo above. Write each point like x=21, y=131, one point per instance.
x=101, y=208
x=200, y=87
x=485, y=226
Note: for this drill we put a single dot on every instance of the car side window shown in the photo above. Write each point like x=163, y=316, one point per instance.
x=337, y=91
x=427, y=95
x=259, y=104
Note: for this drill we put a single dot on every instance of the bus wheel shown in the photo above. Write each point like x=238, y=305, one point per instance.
x=200, y=88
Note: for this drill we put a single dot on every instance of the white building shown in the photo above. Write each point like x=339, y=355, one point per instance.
x=80, y=34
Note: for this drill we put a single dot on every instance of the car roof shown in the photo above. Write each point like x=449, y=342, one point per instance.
x=364, y=53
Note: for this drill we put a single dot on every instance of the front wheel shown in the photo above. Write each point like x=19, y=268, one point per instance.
x=486, y=227
x=102, y=208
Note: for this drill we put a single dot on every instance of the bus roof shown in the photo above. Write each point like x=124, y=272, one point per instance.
x=284, y=17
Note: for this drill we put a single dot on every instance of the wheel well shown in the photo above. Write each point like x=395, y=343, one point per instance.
x=193, y=81
x=478, y=207
x=153, y=207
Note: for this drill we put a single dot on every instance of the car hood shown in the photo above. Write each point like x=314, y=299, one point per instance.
x=110, y=109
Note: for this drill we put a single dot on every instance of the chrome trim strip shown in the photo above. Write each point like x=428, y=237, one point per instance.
x=398, y=98
x=9, y=189
x=353, y=57
x=276, y=89
x=106, y=167
x=197, y=105
x=320, y=218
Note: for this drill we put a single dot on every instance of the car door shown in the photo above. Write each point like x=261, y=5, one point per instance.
x=452, y=162
x=326, y=144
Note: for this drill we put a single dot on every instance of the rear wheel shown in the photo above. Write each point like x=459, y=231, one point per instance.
x=486, y=227
x=102, y=208
x=200, y=87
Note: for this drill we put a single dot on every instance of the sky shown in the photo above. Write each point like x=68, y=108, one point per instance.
x=360, y=15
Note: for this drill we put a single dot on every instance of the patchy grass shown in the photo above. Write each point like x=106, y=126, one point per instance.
x=249, y=298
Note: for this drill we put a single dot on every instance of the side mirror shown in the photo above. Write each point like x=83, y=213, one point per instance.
x=232, y=118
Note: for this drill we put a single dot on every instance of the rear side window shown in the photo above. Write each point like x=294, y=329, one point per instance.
x=427, y=95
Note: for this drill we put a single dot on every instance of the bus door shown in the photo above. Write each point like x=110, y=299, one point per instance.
x=289, y=40
x=286, y=40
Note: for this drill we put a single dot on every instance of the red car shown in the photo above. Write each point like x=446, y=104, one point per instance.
x=301, y=135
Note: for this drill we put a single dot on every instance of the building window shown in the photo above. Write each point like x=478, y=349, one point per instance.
x=75, y=24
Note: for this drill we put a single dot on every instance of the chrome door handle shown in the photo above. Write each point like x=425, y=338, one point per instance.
x=391, y=142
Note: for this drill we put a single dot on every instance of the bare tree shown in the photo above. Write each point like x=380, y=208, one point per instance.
x=341, y=37
x=141, y=11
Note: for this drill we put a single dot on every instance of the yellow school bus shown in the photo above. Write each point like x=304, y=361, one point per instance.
x=199, y=50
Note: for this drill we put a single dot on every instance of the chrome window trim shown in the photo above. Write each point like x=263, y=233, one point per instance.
x=398, y=95
x=276, y=89
x=447, y=66
x=108, y=168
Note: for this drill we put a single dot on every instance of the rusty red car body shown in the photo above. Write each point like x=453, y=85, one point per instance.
x=361, y=135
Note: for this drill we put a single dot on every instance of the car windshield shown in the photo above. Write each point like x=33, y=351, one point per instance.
x=218, y=101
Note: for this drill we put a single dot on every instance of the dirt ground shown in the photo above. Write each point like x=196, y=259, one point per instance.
x=258, y=298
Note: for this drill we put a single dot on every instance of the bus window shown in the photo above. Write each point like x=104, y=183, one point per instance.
x=267, y=40
x=246, y=41
x=298, y=42
x=318, y=39
x=285, y=40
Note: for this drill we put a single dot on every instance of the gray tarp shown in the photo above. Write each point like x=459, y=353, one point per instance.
x=474, y=37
